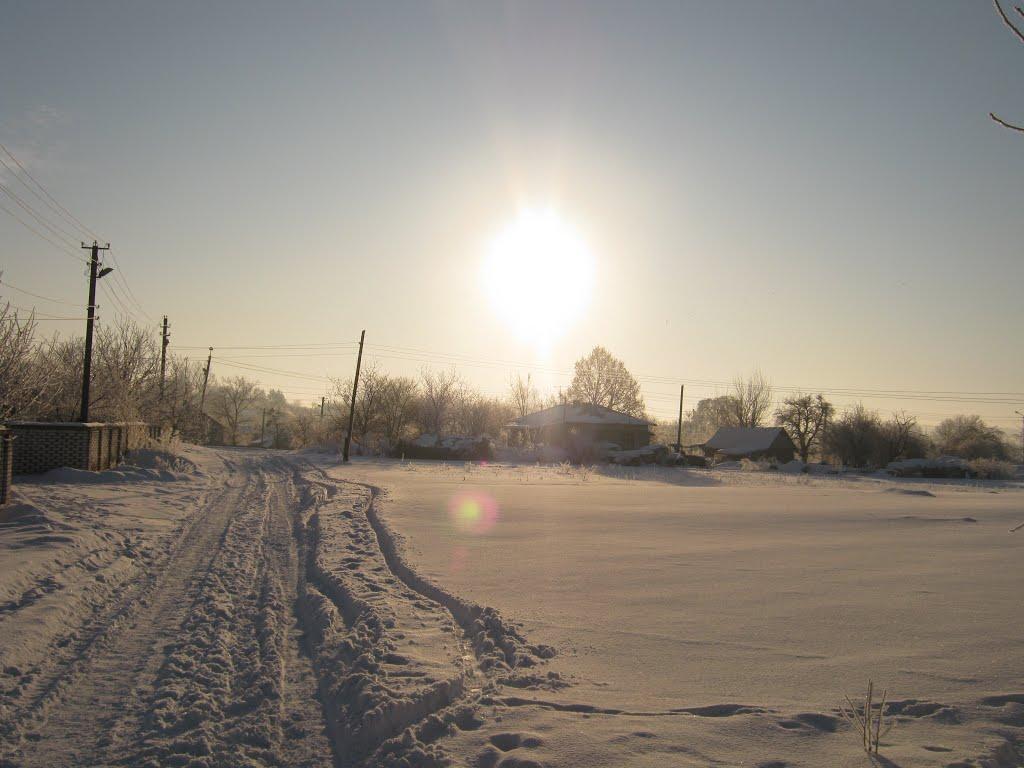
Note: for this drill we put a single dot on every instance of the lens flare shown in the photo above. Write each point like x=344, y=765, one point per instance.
x=473, y=512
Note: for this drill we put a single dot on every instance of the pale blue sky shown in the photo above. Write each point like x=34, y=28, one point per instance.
x=814, y=189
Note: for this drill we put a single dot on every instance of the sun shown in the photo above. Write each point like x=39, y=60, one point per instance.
x=538, y=275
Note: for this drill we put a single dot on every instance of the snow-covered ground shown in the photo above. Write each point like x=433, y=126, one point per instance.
x=732, y=611
x=260, y=608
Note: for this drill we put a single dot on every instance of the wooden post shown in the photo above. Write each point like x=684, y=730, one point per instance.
x=679, y=427
x=165, y=339
x=352, y=405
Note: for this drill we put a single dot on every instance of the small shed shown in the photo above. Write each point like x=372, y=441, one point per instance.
x=570, y=426
x=751, y=443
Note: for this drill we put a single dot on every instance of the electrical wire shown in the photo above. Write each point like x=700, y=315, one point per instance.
x=62, y=248
x=39, y=296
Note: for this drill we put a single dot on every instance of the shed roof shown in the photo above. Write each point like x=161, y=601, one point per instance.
x=741, y=441
x=578, y=414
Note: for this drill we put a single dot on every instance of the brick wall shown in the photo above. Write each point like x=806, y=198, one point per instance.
x=6, y=464
x=40, y=446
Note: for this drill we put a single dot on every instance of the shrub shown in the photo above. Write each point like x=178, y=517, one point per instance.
x=993, y=469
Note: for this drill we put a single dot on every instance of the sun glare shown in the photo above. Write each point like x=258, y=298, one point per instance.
x=538, y=274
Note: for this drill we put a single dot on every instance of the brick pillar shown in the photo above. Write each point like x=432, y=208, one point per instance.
x=6, y=464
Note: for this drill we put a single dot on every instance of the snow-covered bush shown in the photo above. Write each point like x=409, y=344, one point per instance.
x=993, y=469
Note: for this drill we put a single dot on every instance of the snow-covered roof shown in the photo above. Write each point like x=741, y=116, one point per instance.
x=741, y=441
x=578, y=414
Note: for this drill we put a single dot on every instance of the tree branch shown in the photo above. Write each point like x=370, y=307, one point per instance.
x=1005, y=124
x=1007, y=22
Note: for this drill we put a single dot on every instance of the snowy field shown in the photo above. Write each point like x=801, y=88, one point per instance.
x=754, y=600
x=261, y=608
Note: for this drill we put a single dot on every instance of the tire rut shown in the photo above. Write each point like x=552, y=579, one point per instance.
x=98, y=693
x=401, y=661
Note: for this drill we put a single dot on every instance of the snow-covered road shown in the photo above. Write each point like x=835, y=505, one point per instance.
x=275, y=624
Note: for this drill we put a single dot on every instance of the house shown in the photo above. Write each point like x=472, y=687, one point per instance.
x=570, y=426
x=751, y=443
x=214, y=432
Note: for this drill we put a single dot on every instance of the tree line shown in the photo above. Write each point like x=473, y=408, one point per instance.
x=857, y=437
x=40, y=379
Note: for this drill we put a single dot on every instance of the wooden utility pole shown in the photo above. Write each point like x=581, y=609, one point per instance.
x=263, y=426
x=95, y=273
x=352, y=405
x=679, y=426
x=322, y=401
x=206, y=378
x=1021, y=434
x=163, y=357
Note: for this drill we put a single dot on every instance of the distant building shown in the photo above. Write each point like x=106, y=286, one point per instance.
x=569, y=426
x=751, y=443
x=214, y=433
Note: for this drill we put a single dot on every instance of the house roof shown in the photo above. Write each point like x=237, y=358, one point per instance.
x=741, y=441
x=578, y=414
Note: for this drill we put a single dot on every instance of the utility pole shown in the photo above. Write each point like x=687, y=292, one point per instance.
x=679, y=426
x=1021, y=434
x=206, y=378
x=322, y=401
x=95, y=273
x=263, y=426
x=163, y=357
x=352, y=405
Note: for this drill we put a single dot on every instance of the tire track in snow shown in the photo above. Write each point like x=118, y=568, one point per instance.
x=85, y=701
x=400, y=660
x=209, y=672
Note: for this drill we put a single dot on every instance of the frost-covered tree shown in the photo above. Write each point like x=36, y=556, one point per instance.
x=22, y=378
x=601, y=379
x=440, y=390
x=804, y=417
x=399, y=405
x=854, y=438
x=524, y=396
x=969, y=437
x=750, y=400
x=710, y=414
x=230, y=402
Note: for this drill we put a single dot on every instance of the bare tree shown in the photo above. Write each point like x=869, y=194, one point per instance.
x=601, y=379
x=524, y=396
x=1020, y=36
x=853, y=439
x=230, y=401
x=902, y=439
x=750, y=400
x=805, y=417
x=440, y=391
x=474, y=414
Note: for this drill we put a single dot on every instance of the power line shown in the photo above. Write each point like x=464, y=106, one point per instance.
x=62, y=248
x=55, y=229
x=38, y=296
x=418, y=355
x=54, y=205
x=127, y=288
x=37, y=316
x=60, y=210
